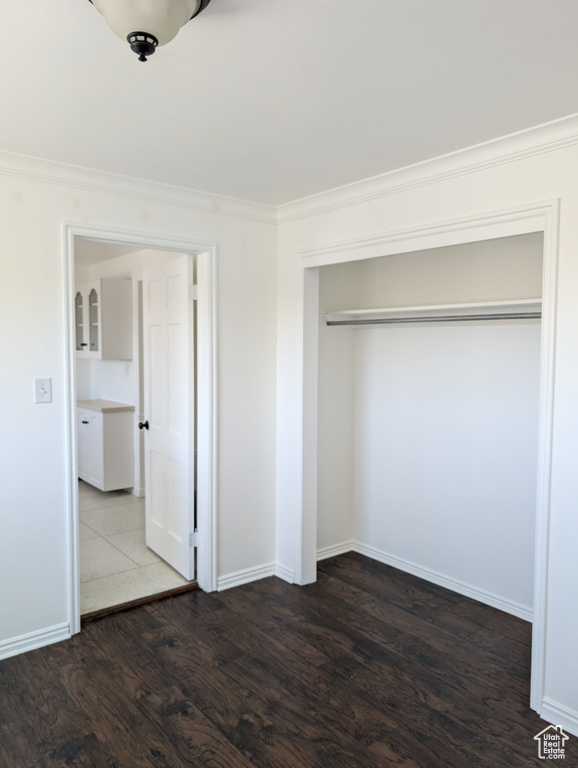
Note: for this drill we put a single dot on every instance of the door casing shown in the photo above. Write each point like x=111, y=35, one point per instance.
x=538, y=217
x=206, y=254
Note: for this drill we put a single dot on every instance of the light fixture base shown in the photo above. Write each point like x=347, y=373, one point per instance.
x=164, y=17
x=143, y=44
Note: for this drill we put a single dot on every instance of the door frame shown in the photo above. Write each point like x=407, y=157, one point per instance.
x=206, y=394
x=540, y=217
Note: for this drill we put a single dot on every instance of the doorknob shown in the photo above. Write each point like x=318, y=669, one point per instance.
x=143, y=426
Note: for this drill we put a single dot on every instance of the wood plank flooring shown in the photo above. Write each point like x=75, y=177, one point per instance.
x=368, y=667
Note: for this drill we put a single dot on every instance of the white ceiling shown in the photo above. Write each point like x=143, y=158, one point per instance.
x=274, y=100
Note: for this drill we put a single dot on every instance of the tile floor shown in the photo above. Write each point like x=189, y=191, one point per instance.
x=116, y=566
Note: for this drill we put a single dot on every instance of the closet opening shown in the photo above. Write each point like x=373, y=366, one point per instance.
x=427, y=394
x=429, y=371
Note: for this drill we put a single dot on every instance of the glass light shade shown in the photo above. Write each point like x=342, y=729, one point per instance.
x=161, y=18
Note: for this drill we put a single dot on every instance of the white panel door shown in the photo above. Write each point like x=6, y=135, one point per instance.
x=168, y=340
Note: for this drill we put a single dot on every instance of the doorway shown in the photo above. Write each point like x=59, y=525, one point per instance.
x=117, y=515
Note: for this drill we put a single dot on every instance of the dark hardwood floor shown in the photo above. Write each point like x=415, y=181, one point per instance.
x=368, y=667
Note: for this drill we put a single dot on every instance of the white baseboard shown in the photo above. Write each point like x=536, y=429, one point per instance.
x=284, y=573
x=34, y=640
x=335, y=549
x=455, y=585
x=245, y=576
x=558, y=714
x=461, y=587
x=137, y=491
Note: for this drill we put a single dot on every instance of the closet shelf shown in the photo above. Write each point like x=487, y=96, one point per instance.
x=516, y=309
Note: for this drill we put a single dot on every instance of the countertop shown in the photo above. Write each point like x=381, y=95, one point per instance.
x=104, y=406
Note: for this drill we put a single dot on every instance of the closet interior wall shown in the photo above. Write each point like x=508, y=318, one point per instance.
x=428, y=434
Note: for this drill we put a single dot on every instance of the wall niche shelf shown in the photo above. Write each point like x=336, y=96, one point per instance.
x=516, y=309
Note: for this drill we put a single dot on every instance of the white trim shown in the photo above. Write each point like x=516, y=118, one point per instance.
x=435, y=577
x=534, y=141
x=522, y=220
x=34, y=640
x=448, y=582
x=138, y=238
x=246, y=576
x=207, y=481
x=103, y=182
x=70, y=436
x=282, y=572
x=558, y=714
x=207, y=420
x=335, y=549
x=544, y=460
x=305, y=571
x=538, y=217
x=530, y=142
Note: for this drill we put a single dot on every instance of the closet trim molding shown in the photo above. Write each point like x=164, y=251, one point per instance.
x=540, y=217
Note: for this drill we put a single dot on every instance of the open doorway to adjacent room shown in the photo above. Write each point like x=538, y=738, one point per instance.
x=136, y=341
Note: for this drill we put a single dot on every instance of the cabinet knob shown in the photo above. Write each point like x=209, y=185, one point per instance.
x=84, y=344
x=143, y=426
x=85, y=422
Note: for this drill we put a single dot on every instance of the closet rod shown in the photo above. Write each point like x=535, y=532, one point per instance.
x=440, y=319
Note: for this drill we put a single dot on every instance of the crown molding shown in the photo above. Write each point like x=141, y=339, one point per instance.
x=77, y=177
x=538, y=140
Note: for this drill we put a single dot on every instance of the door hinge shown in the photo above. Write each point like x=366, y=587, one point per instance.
x=193, y=292
x=194, y=538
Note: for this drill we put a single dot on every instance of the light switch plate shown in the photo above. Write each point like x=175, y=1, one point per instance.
x=42, y=390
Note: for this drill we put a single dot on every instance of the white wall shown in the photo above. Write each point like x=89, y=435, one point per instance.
x=490, y=270
x=521, y=170
x=335, y=502
x=445, y=452
x=35, y=199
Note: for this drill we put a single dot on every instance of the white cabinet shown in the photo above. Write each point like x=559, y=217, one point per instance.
x=103, y=319
x=90, y=441
x=105, y=432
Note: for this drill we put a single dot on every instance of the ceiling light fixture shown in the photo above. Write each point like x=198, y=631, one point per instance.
x=147, y=24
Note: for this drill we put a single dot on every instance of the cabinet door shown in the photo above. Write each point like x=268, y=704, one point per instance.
x=87, y=319
x=103, y=319
x=93, y=311
x=83, y=442
x=80, y=333
x=96, y=451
